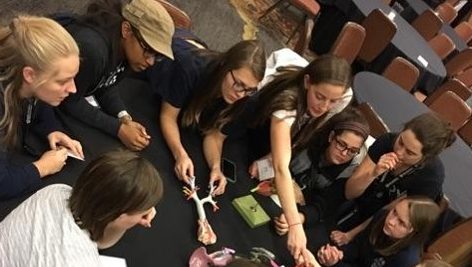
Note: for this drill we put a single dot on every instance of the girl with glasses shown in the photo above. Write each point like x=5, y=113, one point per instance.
x=321, y=169
x=397, y=164
x=208, y=88
x=286, y=112
x=38, y=62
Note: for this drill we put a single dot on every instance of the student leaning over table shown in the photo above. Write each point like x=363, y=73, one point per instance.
x=287, y=111
x=64, y=226
x=334, y=151
x=38, y=62
x=115, y=36
x=209, y=87
x=393, y=238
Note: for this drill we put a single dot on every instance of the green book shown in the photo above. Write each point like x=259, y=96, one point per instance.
x=251, y=211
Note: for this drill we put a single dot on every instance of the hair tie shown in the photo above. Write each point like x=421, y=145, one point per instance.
x=361, y=129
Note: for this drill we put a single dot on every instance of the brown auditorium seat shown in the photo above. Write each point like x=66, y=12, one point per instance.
x=453, y=85
x=379, y=32
x=427, y=24
x=452, y=109
x=310, y=9
x=465, y=132
x=446, y=12
x=464, y=30
x=466, y=77
x=455, y=245
x=376, y=124
x=402, y=72
x=459, y=63
x=442, y=45
x=180, y=18
x=349, y=41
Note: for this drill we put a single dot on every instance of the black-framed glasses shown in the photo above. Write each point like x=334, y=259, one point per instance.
x=239, y=86
x=148, y=52
x=342, y=146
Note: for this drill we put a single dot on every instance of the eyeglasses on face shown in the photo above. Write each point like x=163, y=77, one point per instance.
x=148, y=52
x=240, y=87
x=342, y=146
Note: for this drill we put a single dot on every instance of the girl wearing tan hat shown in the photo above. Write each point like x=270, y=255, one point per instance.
x=114, y=37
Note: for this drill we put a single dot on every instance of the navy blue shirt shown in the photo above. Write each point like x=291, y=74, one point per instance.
x=361, y=253
x=424, y=180
x=17, y=178
x=176, y=81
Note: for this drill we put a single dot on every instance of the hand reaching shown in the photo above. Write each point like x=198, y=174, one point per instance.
x=217, y=176
x=184, y=168
x=133, y=135
x=329, y=255
x=61, y=139
x=340, y=238
x=51, y=161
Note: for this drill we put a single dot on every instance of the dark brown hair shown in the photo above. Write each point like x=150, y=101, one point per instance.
x=245, y=54
x=287, y=92
x=423, y=213
x=433, y=133
x=115, y=183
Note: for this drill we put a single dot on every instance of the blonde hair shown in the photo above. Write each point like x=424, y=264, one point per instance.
x=31, y=41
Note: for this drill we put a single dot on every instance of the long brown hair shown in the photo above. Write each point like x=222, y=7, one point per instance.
x=433, y=133
x=245, y=54
x=31, y=41
x=423, y=214
x=115, y=183
x=287, y=92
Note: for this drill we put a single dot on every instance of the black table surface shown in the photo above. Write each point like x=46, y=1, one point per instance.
x=406, y=42
x=173, y=235
x=396, y=106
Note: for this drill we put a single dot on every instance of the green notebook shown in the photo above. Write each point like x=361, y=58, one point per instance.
x=251, y=211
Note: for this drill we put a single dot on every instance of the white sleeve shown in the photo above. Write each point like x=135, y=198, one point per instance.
x=287, y=116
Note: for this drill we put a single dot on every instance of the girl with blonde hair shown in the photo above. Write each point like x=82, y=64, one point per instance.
x=38, y=62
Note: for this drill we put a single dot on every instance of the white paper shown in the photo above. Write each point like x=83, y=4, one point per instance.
x=391, y=15
x=423, y=61
x=265, y=169
x=72, y=155
x=109, y=261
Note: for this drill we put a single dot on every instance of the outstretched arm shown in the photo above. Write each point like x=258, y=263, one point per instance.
x=212, y=148
x=170, y=131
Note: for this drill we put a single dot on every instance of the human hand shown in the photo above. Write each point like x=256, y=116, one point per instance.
x=329, y=255
x=183, y=168
x=59, y=138
x=148, y=217
x=296, y=243
x=308, y=260
x=51, y=161
x=281, y=225
x=386, y=162
x=217, y=176
x=133, y=135
x=253, y=171
x=340, y=238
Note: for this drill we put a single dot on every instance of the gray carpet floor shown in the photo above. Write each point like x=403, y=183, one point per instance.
x=215, y=21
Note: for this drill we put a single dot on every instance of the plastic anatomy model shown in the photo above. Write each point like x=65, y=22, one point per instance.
x=205, y=232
